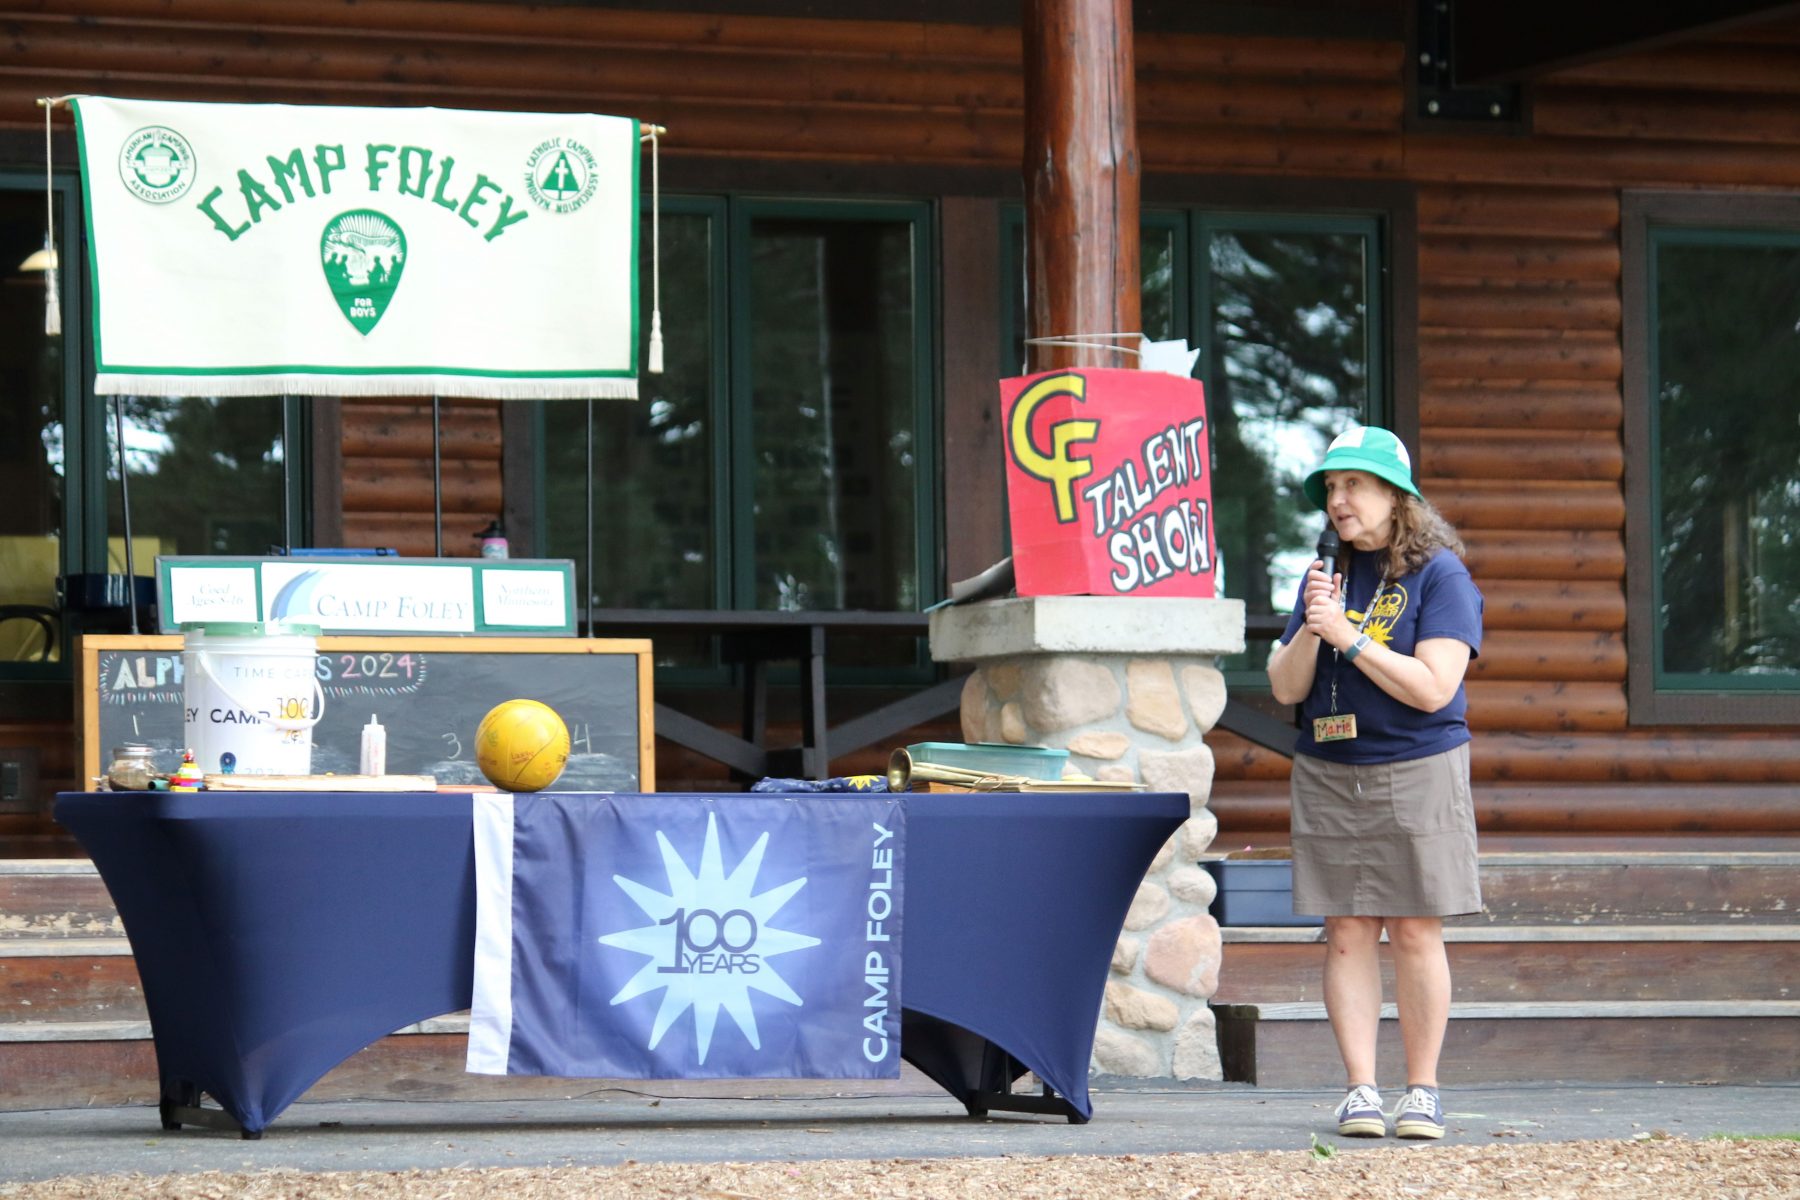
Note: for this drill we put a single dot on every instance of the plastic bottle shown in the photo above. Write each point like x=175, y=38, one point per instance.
x=493, y=541
x=374, y=748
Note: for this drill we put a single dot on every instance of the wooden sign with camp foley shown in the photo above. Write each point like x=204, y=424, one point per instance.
x=1109, y=480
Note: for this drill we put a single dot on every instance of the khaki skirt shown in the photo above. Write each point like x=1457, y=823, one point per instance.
x=1384, y=839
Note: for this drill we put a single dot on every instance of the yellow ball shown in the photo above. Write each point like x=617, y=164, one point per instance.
x=521, y=745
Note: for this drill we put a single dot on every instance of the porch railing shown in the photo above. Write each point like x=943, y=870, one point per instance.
x=754, y=640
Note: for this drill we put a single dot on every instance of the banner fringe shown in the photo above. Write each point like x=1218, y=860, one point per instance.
x=460, y=387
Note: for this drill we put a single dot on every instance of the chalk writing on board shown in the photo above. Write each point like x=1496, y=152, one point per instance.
x=429, y=700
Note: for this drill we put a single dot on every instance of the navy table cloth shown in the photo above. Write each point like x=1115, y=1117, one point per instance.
x=276, y=934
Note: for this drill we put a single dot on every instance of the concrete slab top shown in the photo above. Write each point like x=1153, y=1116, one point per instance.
x=1087, y=625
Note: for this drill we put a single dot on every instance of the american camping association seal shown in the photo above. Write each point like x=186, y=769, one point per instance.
x=157, y=164
x=561, y=175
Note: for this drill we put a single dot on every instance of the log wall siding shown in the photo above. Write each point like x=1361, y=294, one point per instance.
x=387, y=486
x=1519, y=403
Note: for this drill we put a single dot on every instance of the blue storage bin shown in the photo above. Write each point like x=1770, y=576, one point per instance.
x=1255, y=891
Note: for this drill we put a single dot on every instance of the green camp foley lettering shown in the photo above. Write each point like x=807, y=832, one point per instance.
x=403, y=607
x=875, y=965
x=267, y=188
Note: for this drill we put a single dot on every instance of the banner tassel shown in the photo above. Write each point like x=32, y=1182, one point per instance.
x=655, y=364
x=52, y=293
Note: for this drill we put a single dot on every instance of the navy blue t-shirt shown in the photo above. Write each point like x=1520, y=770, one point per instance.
x=1438, y=600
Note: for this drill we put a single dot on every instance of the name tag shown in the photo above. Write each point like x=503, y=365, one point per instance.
x=1334, y=729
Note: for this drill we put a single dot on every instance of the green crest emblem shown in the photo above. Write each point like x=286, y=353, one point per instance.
x=363, y=254
x=156, y=164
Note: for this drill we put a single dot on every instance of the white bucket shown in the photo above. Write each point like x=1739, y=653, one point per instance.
x=252, y=697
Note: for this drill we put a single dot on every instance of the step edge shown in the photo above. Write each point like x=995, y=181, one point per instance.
x=1603, y=858
x=1312, y=935
x=1639, y=858
x=1536, y=1010
x=139, y=1031
x=25, y=867
x=47, y=866
x=54, y=947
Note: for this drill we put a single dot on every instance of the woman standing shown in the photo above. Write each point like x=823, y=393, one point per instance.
x=1383, y=823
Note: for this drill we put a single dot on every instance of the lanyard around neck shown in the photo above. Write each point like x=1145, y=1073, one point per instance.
x=1337, y=654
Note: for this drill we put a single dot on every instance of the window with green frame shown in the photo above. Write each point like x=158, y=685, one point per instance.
x=785, y=458
x=1723, y=307
x=205, y=474
x=1287, y=312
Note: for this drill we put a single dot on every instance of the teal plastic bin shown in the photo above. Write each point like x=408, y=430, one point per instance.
x=997, y=758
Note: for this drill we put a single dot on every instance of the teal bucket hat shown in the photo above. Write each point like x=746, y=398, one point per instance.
x=1369, y=448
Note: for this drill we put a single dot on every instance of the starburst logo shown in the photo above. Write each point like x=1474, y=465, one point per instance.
x=709, y=941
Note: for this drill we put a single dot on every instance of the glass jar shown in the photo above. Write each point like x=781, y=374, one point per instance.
x=133, y=766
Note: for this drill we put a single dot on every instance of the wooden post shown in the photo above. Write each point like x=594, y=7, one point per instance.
x=1081, y=177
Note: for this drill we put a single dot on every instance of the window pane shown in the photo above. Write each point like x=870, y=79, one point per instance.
x=205, y=477
x=1156, y=267
x=1728, y=459
x=833, y=460
x=31, y=431
x=1290, y=369
x=653, y=474
x=1159, y=248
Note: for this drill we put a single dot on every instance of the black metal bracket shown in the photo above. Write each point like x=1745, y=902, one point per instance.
x=181, y=1105
x=1049, y=1103
x=993, y=1092
x=1438, y=96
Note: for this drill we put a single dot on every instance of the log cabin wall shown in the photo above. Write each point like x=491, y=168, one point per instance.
x=1518, y=337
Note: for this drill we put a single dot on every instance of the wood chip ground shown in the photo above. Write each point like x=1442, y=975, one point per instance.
x=1649, y=1168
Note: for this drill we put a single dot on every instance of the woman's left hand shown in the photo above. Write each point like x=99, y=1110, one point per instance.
x=1325, y=612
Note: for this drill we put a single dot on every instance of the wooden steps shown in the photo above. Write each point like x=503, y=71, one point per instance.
x=1607, y=966
x=1639, y=888
x=68, y=979
x=54, y=898
x=1290, y=1045
x=1540, y=963
x=1599, y=966
x=74, y=1031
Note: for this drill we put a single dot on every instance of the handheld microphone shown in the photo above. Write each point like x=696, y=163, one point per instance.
x=1329, y=547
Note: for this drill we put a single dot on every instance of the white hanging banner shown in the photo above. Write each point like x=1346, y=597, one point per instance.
x=263, y=249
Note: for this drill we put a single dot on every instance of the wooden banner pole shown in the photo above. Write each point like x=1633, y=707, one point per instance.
x=1081, y=178
x=437, y=474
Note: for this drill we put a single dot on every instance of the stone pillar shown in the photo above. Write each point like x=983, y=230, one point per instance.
x=1129, y=686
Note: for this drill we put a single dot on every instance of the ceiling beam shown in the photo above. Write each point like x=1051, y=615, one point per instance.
x=1507, y=41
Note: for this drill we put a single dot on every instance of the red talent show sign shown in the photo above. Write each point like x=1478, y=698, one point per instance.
x=1110, y=483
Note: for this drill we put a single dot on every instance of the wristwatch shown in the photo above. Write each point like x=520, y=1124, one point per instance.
x=1357, y=647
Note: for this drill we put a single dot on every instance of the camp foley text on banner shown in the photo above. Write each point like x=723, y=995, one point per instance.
x=263, y=249
x=612, y=932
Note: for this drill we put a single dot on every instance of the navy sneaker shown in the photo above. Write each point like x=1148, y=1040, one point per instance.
x=1359, y=1113
x=1420, y=1114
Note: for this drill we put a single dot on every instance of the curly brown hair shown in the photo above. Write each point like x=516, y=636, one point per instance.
x=1420, y=531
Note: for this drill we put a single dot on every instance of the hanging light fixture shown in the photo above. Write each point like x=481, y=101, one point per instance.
x=40, y=260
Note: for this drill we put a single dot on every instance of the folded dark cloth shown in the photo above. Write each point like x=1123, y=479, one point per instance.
x=837, y=783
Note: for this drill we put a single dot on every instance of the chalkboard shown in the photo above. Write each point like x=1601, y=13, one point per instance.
x=430, y=693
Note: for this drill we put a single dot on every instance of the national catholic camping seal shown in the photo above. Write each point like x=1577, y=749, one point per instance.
x=560, y=175
x=157, y=164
